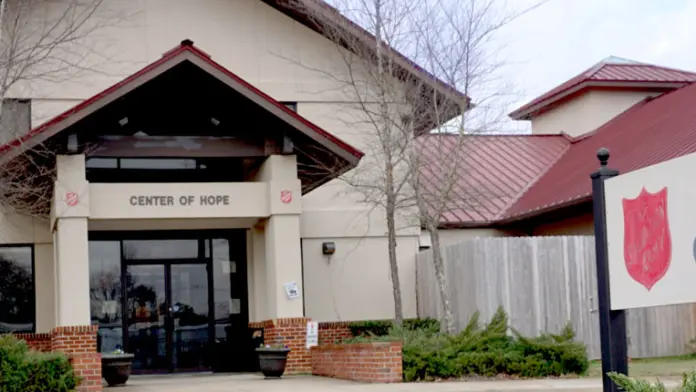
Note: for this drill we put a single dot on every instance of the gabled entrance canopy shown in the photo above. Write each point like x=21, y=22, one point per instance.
x=186, y=93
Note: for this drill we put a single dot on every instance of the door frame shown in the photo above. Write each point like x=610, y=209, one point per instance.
x=237, y=251
x=168, y=326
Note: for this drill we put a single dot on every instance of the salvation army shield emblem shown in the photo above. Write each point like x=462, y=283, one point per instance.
x=647, y=242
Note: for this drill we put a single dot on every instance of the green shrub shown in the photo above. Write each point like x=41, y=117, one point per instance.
x=630, y=384
x=488, y=351
x=424, y=324
x=383, y=327
x=22, y=370
x=370, y=328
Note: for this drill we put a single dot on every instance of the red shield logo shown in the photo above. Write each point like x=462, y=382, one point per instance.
x=71, y=199
x=286, y=197
x=647, y=242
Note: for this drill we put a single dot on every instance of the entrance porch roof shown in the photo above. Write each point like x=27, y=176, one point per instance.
x=321, y=156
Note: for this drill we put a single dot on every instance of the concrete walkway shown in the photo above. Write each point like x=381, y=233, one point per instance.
x=256, y=383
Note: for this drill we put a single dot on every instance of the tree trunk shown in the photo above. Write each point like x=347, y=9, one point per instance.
x=391, y=239
x=442, y=283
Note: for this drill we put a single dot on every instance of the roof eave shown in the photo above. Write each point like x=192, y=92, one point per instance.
x=466, y=225
x=543, y=210
x=527, y=112
x=184, y=52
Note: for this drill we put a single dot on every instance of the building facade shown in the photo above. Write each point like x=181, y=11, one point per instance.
x=187, y=210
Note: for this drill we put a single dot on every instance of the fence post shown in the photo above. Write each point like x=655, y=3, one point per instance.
x=612, y=323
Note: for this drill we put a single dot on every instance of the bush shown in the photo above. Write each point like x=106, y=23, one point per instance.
x=22, y=370
x=488, y=351
x=383, y=327
x=629, y=384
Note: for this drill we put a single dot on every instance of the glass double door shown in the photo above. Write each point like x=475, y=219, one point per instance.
x=168, y=315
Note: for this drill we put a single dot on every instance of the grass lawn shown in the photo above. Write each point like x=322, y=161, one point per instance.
x=669, y=367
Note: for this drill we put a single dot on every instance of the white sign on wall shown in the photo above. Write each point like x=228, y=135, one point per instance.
x=651, y=232
x=312, y=334
x=291, y=290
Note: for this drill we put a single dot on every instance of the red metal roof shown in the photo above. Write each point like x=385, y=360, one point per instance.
x=650, y=132
x=609, y=73
x=186, y=46
x=493, y=170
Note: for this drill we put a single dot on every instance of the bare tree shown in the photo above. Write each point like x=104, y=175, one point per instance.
x=388, y=101
x=456, y=41
x=42, y=43
x=407, y=171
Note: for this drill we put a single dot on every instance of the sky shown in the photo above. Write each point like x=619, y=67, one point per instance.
x=561, y=38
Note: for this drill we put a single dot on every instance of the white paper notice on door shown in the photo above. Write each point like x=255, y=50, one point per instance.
x=228, y=267
x=235, y=306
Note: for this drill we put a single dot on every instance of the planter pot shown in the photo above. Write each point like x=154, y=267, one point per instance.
x=116, y=368
x=272, y=361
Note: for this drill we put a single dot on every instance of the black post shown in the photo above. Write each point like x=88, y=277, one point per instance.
x=612, y=323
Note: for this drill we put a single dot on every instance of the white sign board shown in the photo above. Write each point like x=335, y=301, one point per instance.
x=312, y=334
x=291, y=290
x=651, y=227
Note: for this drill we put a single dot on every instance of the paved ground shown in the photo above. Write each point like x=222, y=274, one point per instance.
x=256, y=383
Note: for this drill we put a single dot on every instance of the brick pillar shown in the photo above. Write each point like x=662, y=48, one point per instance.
x=293, y=333
x=79, y=343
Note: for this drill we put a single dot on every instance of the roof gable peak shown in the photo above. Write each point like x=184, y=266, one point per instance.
x=612, y=71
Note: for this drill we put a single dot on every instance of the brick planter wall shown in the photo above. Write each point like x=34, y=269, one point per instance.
x=36, y=341
x=333, y=332
x=379, y=362
x=79, y=343
x=293, y=333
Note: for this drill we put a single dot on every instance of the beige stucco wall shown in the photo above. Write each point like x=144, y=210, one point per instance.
x=290, y=63
x=266, y=48
x=355, y=282
x=586, y=112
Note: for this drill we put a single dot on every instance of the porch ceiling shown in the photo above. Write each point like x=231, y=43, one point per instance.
x=186, y=93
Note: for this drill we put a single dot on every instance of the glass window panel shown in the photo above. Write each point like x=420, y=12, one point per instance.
x=291, y=105
x=222, y=286
x=105, y=283
x=190, y=313
x=159, y=164
x=102, y=163
x=17, y=297
x=221, y=249
x=147, y=309
x=160, y=249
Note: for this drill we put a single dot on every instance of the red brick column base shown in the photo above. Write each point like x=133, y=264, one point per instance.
x=293, y=333
x=379, y=362
x=79, y=343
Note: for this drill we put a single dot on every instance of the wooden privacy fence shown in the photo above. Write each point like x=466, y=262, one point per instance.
x=544, y=282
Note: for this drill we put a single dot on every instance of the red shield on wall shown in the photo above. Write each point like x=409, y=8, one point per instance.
x=286, y=197
x=647, y=242
x=71, y=199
